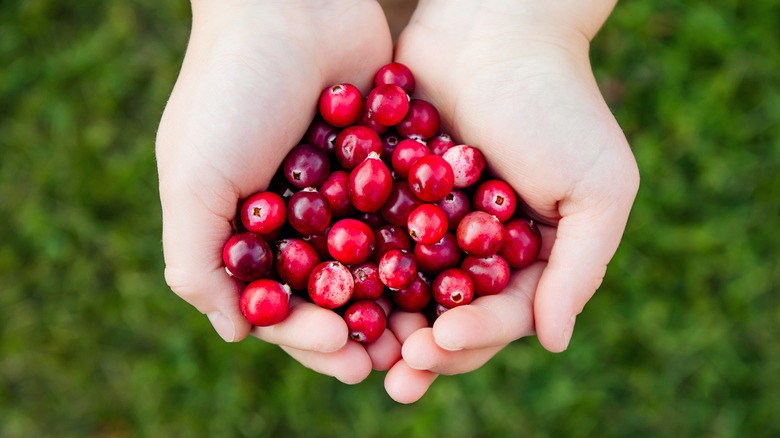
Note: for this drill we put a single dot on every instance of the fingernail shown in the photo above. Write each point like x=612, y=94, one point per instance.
x=567, y=332
x=223, y=326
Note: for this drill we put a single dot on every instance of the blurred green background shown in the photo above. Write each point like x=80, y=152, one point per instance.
x=682, y=339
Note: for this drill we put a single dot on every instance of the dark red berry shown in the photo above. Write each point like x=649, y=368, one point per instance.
x=373, y=220
x=427, y=224
x=306, y=166
x=350, y=241
x=399, y=204
x=295, y=259
x=390, y=140
x=467, y=164
x=439, y=256
x=321, y=135
x=397, y=74
x=265, y=302
x=452, y=288
x=415, y=297
x=405, y=154
x=319, y=242
x=370, y=184
x=387, y=104
x=354, y=144
x=522, y=243
x=497, y=198
x=397, y=269
x=431, y=178
x=308, y=212
x=341, y=105
x=335, y=189
x=480, y=234
x=330, y=285
x=490, y=274
x=440, y=144
x=263, y=212
x=366, y=321
x=247, y=256
x=368, y=286
x=390, y=237
x=421, y=121
x=456, y=206
x=368, y=122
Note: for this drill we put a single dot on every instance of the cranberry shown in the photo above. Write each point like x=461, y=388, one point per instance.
x=421, y=121
x=306, y=166
x=431, y=178
x=295, y=259
x=390, y=140
x=341, y=105
x=405, y=154
x=387, y=104
x=265, y=302
x=366, y=120
x=263, y=212
x=480, y=234
x=354, y=144
x=350, y=241
x=330, y=285
x=319, y=242
x=399, y=204
x=467, y=163
x=335, y=189
x=497, y=198
x=370, y=184
x=440, y=144
x=414, y=297
x=389, y=237
x=282, y=187
x=427, y=224
x=368, y=286
x=522, y=244
x=456, y=206
x=321, y=135
x=439, y=256
x=490, y=274
x=373, y=220
x=452, y=288
x=397, y=269
x=308, y=212
x=397, y=74
x=365, y=320
x=247, y=256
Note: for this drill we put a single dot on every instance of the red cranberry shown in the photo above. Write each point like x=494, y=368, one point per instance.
x=335, y=189
x=440, y=144
x=319, y=242
x=522, y=244
x=439, y=256
x=365, y=320
x=397, y=74
x=263, y=212
x=265, y=302
x=480, y=234
x=397, y=269
x=308, y=212
x=321, y=135
x=415, y=297
x=247, y=256
x=330, y=285
x=366, y=120
x=431, y=178
x=354, y=144
x=370, y=184
x=387, y=104
x=368, y=286
x=350, y=241
x=295, y=259
x=497, y=198
x=490, y=274
x=373, y=220
x=341, y=105
x=452, y=288
x=306, y=166
x=456, y=206
x=390, y=237
x=399, y=204
x=427, y=224
x=467, y=163
x=421, y=121
x=390, y=140
x=405, y=154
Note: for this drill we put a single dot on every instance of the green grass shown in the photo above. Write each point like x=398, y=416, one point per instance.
x=682, y=339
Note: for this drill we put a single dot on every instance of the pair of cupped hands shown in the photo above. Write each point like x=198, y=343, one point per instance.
x=511, y=78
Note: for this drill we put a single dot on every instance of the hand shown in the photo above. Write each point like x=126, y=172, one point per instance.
x=513, y=79
x=244, y=97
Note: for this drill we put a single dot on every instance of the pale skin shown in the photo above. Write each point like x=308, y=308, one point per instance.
x=509, y=77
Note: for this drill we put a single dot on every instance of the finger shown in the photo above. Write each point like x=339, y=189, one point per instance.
x=350, y=364
x=548, y=238
x=421, y=352
x=307, y=327
x=384, y=352
x=403, y=324
x=405, y=384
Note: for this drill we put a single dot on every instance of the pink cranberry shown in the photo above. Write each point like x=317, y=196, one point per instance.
x=263, y=212
x=335, y=189
x=350, y=241
x=354, y=144
x=366, y=321
x=522, y=244
x=414, y=297
x=387, y=104
x=397, y=74
x=306, y=166
x=390, y=237
x=390, y=140
x=440, y=144
x=480, y=234
x=497, y=198
x=452, y=288
x=330, y=285
x=467, y=163
x=247, y=256
x=439, y=256
x=321, y=135
x=368, y=286
x=397, y=269
x=295, y=259
x=308, y=212
x=431, y=178
x=490, y=274
x=427, y=224
x=370, y=184
x=405, y=154
x=421, y=121
x=399, y=204
x=341, y=105
x=456, y=206
x=265, y=302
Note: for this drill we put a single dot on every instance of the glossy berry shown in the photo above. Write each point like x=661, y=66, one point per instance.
x=490, y=274
x=366, y=120
x=263, y=213
x=440, y=144
x=456, y=206
x=399, y=204
x=295, y=259
x=431, y=178
x=522, y=244
x=366, y=321
x=265, y=302
x=497, y=198
x=370, y=184
x=306, y=166
x=350, y=241
x=421, y=121
x=321, y=135
x=330, y=285
x=368, y=286
x=397, y=269
x=390, y=140
x=397, y=74
x=405, y=154
x=319, y=242
x=387, y=104
x=480, y=234
x=308, y=212
x=247, y=256
x=413, y=298
x=354, y=144
x=390, y=237
x=452, y=288
x=335, y=189
x=341, y=105
x=427, y=224
x=373, y=220
x=467, y=164
x=439, y=256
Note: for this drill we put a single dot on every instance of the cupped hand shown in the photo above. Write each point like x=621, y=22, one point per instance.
x=244, y=97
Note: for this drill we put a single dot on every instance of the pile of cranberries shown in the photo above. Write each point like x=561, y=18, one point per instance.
x=377, y=201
